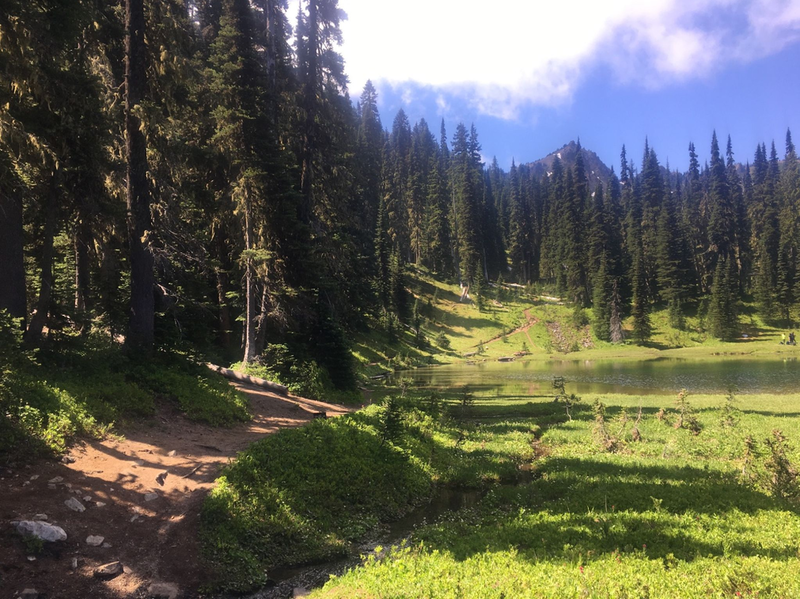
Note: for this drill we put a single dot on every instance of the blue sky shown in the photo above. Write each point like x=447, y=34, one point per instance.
x=534, y=74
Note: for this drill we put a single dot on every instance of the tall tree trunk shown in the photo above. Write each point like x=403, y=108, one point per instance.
x=142, y=305
x=34, y=333
x=250, y=288
x=221, y=274
x=261, y=331
x=12, y=266
x=83, y=236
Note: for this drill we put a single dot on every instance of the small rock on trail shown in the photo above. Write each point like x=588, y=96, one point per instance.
x=108, y=571
x=94, y=540
x=74, y=505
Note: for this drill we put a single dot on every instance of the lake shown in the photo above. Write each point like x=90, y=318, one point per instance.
x=657, y=376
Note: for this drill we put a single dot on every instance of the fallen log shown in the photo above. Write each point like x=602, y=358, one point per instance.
x=251, y=380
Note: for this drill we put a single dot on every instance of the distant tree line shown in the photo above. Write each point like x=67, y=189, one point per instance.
x=176, y=171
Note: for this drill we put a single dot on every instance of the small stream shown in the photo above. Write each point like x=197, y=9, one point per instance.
x=284, y=581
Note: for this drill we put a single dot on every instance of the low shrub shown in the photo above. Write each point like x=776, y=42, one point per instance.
x=49, y=397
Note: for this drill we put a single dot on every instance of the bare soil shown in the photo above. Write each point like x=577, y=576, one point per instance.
x=155, y=540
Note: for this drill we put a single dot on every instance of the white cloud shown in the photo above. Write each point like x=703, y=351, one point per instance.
x=506, y=54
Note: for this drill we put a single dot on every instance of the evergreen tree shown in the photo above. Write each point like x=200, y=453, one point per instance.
x=722, y=215
x=370, y=156
x=763, y=212
x=437, y=225
x=722, y=311
x=519, y=230
x=790, y=191
x=741, y=224
x=598, y=234
x=640, y=302
x=571, y=235
x=466, y=182
x=602, y=300
x=397, y=178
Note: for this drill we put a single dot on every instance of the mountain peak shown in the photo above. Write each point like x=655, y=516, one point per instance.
x=596, y=169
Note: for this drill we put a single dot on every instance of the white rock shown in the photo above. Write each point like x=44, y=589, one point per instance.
x=150, y=496
x=74, y=505
x=41, y=530
x=56, y=480
x=172, y=453
x=34, y=477
x=94, y=540
x=100, y=504
x=87, y=498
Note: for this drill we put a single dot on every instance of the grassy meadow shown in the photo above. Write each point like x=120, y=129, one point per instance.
x=697, y=498
x=708, y=509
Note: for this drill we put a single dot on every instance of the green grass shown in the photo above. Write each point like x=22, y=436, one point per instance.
x=49, y=397
x=674, y=515
x=301, y=495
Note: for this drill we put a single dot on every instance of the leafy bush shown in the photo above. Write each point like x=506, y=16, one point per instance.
x=302, y=377
x=88, y=385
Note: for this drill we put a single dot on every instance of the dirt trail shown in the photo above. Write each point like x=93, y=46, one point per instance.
x=154, y=536
x=530, y=321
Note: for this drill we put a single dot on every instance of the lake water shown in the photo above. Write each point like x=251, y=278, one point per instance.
x=663, y=375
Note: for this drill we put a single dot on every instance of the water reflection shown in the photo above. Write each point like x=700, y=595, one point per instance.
x=607, y=376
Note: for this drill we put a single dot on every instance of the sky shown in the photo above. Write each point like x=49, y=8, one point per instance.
x=534, y=74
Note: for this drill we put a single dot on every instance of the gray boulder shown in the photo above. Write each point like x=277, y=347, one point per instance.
x=41, y=530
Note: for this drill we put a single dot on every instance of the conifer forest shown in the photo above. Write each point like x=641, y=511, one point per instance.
x=259, y=336
x=198, y=172
x=212, y=180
